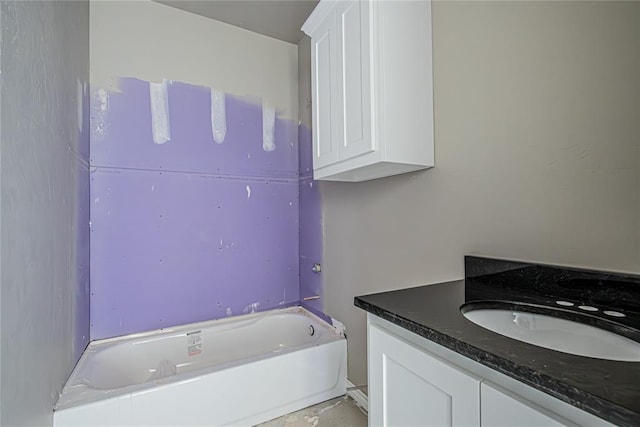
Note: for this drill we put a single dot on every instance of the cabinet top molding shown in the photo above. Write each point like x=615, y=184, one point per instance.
x=318, y=15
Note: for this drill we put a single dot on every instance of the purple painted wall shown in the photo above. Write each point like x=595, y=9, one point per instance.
x=188, y=230
x=310, y=224
x=122, y=136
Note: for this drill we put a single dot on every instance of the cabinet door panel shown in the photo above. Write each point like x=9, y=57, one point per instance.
x=500, y=408
x=408, y=387
x=354, y=80
x=372, y=113
x=405, y=394
x=324, y=92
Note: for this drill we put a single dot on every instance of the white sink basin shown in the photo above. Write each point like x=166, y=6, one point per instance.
x=557, y=334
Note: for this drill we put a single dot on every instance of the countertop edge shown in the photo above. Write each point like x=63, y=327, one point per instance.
x=580, y=399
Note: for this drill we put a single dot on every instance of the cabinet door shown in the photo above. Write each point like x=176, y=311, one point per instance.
x=354, y=79
x=500, y=408
x=409, y=387
x=324, y=92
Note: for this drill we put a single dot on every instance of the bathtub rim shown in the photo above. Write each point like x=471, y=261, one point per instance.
x=221, y=321
x=67, y=397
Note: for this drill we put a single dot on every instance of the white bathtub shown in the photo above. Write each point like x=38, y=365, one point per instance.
x=237, y=371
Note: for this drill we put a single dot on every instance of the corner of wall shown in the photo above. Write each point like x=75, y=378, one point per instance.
x=44, y=48
x=311, y=236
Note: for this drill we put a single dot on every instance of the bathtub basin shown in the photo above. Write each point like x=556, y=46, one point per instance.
x=236, y=371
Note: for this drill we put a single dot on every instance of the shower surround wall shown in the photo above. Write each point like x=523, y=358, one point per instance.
x=310, y=239
x=185, y=227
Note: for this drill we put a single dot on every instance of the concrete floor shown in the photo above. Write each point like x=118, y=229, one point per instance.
x=338, y=412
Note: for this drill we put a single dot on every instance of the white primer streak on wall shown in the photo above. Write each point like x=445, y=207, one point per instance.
x=102, y=97
x=160, y=127
x=248, y=192
x=218, y=116
x=268, y=128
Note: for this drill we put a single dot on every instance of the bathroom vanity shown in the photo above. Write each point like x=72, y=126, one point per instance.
x=430, y=365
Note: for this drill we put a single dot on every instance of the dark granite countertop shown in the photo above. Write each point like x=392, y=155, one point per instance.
x=606, y=388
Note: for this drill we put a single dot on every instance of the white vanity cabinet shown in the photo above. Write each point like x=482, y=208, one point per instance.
x=372, y=90
x=415, y=382
x=409, y=387
x=501, y=408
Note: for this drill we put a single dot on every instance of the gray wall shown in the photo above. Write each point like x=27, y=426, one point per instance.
x=304, y=82
x=152, y=41
x=44, y=177
x=536, y=136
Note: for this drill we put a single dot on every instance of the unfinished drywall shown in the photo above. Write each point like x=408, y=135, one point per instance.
x=536, y=128
x=44, y=216
x=195, y=181
x=189, y=228
x=152, y=41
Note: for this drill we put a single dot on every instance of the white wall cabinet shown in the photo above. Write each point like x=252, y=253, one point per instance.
x=410, y=385
x=372, y=88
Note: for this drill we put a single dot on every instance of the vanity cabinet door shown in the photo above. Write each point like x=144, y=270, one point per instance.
x=500, y=408
x=409, y=387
